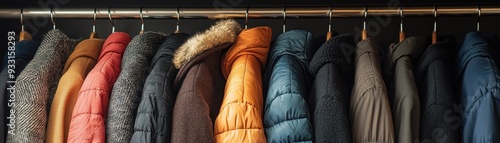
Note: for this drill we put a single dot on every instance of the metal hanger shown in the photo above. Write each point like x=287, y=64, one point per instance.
x=434, y=33
x=363, y=33
x=329, y=33
x=94, y=34
x=246, y=18
x=23, y=35
x=94, y=21
x=178, y=21
x=142, y=21
x=22, y=20
x=111, y=20
x=284, y=19
x=478, y=16
x=401, y=31
x=52, y=18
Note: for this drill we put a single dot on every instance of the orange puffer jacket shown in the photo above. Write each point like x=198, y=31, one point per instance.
x=240, y=117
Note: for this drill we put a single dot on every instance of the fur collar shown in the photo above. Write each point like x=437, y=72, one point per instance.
x=224, y=31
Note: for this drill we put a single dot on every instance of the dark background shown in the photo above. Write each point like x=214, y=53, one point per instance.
x=456, y=26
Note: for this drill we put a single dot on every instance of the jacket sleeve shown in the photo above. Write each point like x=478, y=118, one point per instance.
x=437, y=93
x=35, y=87
x=480, y=88
x=240, y=117
x=4, y=108
x=153, y=119
x=20, y=64
x=127, y=90
x=90, y=110
x=286, y=113
x=87, y=121
x=438, y=100
x=370, y=110
x=241, y=111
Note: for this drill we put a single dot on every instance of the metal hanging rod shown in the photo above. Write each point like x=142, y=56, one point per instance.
x=253, y=12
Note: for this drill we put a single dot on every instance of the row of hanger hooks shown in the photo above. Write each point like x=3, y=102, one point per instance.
x=178, y=15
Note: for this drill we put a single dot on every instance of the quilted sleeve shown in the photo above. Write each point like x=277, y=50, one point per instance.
x=286, y=116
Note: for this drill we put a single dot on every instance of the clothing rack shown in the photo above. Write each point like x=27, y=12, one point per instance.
x=250, y=12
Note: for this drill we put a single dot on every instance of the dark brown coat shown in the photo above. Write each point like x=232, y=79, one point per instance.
x=200, y=83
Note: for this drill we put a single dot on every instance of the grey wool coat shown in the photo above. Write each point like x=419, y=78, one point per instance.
x=36, y=86
x=127, y=90
x=24, y=52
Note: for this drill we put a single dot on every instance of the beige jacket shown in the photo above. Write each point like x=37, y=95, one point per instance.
x=370, y=112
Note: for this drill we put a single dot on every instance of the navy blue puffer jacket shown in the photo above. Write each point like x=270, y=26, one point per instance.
x=479, y=78
x=286, y=115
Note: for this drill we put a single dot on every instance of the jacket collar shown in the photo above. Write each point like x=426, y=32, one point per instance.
x=26, y=49
x=476, y=44
x=89, y=48
x=116, y=38
x=297, y=43
x=332, y=51
x=441, y=51
x=223, y=32
x=368, y=45
x=412, y=47
x=294, y=43
x=254, y=42
x=169, y=45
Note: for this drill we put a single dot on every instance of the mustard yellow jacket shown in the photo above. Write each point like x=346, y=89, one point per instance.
x=78, y=65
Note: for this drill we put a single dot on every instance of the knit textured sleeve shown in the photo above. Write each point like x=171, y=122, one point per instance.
x=36, y=87
x=127, y=90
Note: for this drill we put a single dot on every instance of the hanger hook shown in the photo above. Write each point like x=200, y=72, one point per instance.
x=22, y=20
x=142, y=19
x=435, y=18
x=330, y=19
x=478, y=16
x=52, y=18
x=111, y=20
x=365, y=13
x=246, y=17
x=94, y=21
x=178, y=19
x=284, y=19
x=401, y=14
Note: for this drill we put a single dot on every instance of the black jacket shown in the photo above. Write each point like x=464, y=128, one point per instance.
x=154, y=114
x=437, y=96
x=333, y=68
